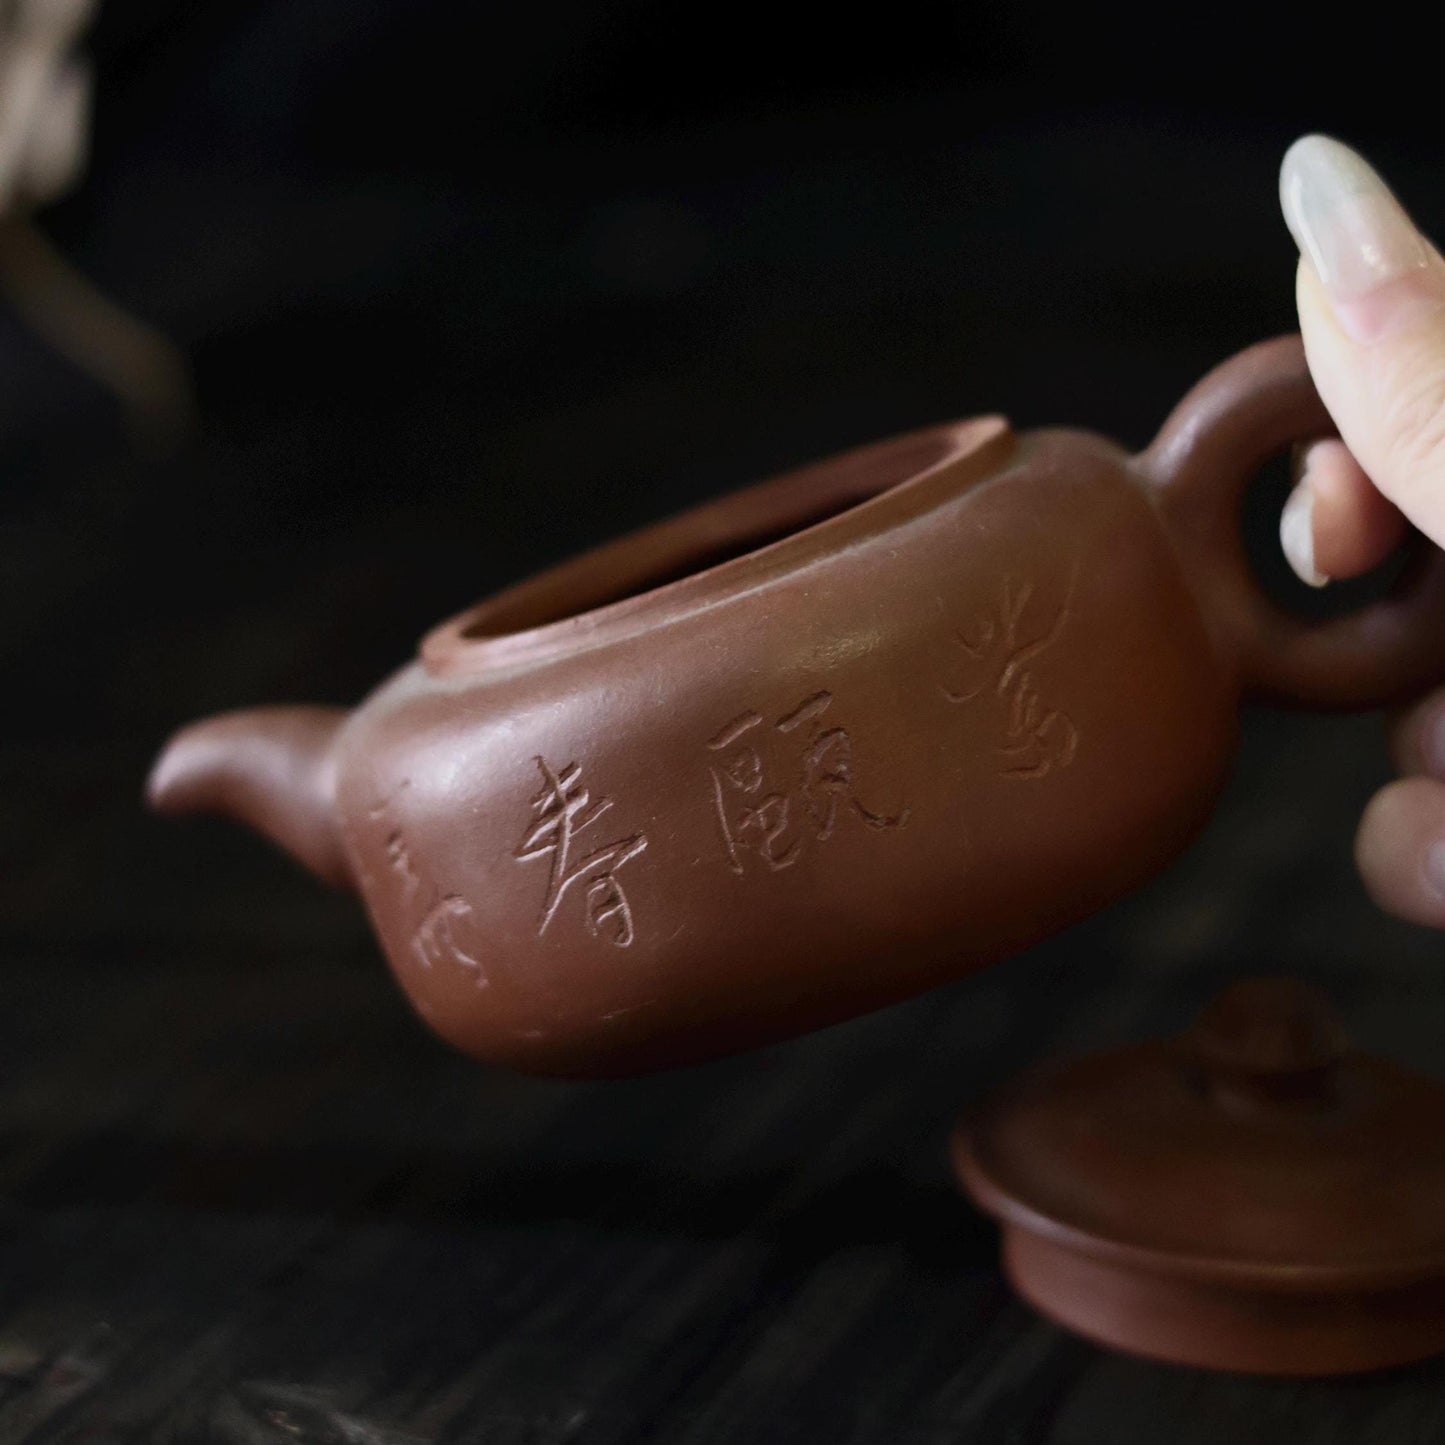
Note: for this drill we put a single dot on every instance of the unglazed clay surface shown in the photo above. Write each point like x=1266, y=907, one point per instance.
x=1253, y=1195
x=818, y=746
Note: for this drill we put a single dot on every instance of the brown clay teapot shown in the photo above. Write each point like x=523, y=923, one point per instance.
x=818, y=746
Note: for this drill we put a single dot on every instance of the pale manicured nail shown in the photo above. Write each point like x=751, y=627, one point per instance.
x=1297, y=535
x=1434, y=866
x=1357, y=236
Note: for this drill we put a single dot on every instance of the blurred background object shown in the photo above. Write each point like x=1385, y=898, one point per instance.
x=464, y=289
x=44, y=100
x=44, y=110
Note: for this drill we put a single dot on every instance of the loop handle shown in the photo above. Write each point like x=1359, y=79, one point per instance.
x=1236, y=419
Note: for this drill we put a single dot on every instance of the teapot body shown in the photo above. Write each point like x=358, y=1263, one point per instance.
x=933, y=733
x=819, y=746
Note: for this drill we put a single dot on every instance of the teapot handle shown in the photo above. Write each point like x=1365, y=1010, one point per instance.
x=1236, y=419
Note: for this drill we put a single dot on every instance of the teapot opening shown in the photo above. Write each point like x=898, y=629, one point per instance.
x=673, y=569
x=714, y=547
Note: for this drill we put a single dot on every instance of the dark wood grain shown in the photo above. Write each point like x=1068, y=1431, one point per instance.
x=247, y=1199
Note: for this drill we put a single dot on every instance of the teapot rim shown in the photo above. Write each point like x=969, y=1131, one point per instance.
x=826, y=505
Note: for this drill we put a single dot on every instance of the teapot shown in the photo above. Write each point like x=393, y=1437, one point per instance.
x=817, y=746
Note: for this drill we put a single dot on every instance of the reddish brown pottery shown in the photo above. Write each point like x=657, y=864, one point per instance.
x=1255, y=1195
x=815, y=747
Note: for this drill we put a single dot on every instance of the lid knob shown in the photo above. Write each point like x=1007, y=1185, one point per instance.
x=1269, y=1040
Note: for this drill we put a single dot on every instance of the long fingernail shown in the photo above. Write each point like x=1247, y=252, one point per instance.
x=1357, y=236
x=1297, y=535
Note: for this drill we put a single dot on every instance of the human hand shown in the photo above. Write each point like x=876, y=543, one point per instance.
x=1371, y=295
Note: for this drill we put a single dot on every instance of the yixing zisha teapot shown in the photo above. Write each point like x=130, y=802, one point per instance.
x=818, y=746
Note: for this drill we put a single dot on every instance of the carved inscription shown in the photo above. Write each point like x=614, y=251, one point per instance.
x=395, y=847
x=398, y=857
x=435, y=940
x=561, y=811
x=999, y=654
x=774, y=824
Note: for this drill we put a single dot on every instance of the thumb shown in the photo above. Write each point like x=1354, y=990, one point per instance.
x=1371, y=295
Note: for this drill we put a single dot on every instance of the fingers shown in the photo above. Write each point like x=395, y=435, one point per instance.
x=1400, y=849
x=1417, y=738
x=1371, y=296
x=1336, y=523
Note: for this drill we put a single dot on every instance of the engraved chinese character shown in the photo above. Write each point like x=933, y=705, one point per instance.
x=396, y=850
x=1037, y=739
x=398, y=857
x=562, y=810
x=435, y=939
x=776, y=823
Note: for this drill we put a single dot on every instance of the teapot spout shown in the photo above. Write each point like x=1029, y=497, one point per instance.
x=272, y=768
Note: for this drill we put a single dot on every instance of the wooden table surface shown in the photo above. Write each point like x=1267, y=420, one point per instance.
x=243, y=1196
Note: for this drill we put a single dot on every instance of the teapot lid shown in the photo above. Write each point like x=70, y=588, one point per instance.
x=1252, y=1195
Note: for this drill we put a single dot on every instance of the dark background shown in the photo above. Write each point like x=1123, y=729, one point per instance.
x=466, y=288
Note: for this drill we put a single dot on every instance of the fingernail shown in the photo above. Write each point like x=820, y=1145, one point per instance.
x=1297, y=535
x=1357, y=236
x=1434, y=866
